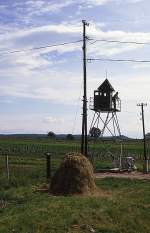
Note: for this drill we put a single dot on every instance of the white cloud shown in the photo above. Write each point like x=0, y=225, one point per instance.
x=48, y=85
x=41, y=7
x=53, y=120
x=141, y=65
x=93, y=3
x=35, y=123
x=74, y=31
x=40, y=74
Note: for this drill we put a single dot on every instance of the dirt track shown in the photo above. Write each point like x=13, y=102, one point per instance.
x=133, y=175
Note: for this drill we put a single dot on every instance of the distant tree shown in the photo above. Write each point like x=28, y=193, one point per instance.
x=147, y=136
x=70, y=137
x=51, y=135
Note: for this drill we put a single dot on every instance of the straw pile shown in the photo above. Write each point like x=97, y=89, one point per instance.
x=74, y=176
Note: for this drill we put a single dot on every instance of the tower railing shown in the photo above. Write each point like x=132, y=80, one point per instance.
x=115, y=106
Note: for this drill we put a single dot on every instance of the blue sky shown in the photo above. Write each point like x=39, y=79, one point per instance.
x=41, y=89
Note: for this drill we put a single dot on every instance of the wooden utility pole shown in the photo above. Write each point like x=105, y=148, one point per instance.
x=84, y=143
x=145, y=165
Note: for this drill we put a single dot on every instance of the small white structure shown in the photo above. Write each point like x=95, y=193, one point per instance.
x=124, y=163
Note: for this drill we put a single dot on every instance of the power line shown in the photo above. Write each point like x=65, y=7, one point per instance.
x=73, y=42
x=40, y=47
x=89, y=59
x=120, y=42
x=118, y=60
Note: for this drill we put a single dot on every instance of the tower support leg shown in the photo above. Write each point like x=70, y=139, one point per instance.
x=105, y=123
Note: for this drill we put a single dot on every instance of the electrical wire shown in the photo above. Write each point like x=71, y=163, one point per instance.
x=73, y=42
x=40, y=47
x=120, y=42
x=4, y=52
x=118, y=60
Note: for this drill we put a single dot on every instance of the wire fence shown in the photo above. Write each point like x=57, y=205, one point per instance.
x=22, y=164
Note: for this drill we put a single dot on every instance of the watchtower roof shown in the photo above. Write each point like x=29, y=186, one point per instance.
x=106, y=86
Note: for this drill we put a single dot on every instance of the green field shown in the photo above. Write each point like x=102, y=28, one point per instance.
x=38, y=146
x=122, y=206
x=21, y=150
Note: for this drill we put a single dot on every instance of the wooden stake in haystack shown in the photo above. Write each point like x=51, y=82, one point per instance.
x=74, y=176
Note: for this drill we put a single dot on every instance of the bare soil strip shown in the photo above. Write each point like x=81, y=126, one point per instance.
x=132, y=175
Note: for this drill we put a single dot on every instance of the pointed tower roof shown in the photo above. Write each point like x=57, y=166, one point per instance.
x=106, y=86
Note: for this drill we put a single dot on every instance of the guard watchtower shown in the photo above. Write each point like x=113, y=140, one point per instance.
x=106, y=102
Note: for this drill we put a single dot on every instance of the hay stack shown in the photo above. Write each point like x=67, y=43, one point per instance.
x=74, y=176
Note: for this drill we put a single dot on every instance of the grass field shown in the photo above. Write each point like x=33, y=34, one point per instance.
x=32, y=150
x=15, y=146
x=122, y=206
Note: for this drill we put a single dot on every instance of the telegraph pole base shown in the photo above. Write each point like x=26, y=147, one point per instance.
x=145, y=167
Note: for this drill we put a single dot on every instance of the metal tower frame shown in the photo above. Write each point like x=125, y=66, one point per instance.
x=110, y=117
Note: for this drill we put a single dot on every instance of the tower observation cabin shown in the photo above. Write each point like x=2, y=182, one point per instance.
x=105, y=99
x=105, y=105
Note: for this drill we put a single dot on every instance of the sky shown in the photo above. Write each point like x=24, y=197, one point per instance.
x=41, y=90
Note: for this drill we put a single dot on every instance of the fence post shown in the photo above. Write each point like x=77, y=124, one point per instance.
x=7, y=166
x=120, y=158
x=48, y=166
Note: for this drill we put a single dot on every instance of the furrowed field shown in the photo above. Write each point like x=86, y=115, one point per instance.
x=122, y=206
